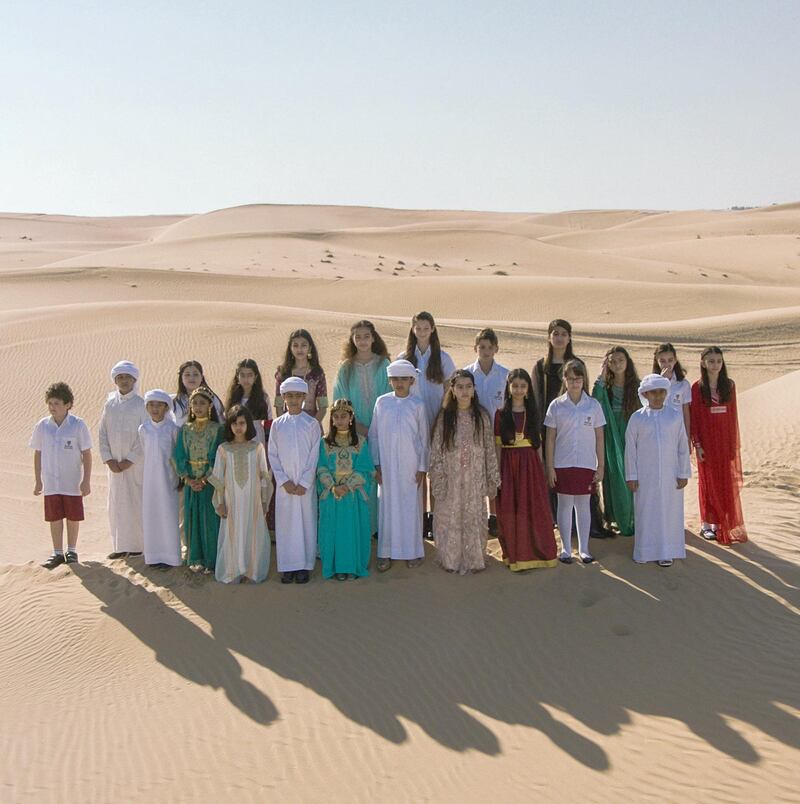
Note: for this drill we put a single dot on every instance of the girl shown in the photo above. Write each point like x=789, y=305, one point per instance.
x=715, y=435
x=666, y=363
x=617, y=391
x=547, y=374
x=302, y=360
x=194, y=460
x=523, y=507
x=345, y=482
x=190, y=376
x=362, y=373
x=247, y=389
x=242, y=491
x=463, y=472
x=575, y=456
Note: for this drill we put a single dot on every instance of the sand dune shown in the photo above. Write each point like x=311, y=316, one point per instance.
x=608, y=682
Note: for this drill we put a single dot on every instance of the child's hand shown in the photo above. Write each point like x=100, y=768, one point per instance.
x=667, y=372
x=378, y=476
x=682, y=481
x=633, y=485
x=361, y=430
x=289, y=487
x=300, y=491
x=700, y=453
x=551, y=477
x=37, y=488
x=86, y=488
x=222, y=510
x=123, y=465
x=195, y=485
x=421, y=478
x=340, y=491
x=113, y=466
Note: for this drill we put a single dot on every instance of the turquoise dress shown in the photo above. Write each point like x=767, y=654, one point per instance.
x=195, y=451
x=345, y=528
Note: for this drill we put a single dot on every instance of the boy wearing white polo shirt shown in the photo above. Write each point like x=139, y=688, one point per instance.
x=490, y=387
x=62, y=467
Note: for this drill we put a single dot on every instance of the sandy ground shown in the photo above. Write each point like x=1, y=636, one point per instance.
x=574, y=684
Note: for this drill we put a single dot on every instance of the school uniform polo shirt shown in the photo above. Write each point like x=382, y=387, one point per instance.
x=61, y=447
x=575, y=425
x=490, y=387
x=679, y=394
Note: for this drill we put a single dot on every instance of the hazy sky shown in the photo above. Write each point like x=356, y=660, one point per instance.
x=144, y=107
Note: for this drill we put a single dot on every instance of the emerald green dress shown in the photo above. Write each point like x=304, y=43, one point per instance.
x=195, y=451
x=345, y=532
x=617, y=498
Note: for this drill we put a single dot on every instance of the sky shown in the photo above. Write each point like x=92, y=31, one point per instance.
x=112, y=108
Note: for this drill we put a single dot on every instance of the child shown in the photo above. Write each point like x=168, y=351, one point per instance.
x=523, y=506
x=160, y=523
x=362, y=374
x=665, y=363
x=715, y=435
x=293, y=454
x=190, y=376
x=121, y=453
x=247, y=389
x=548, y=371
x=302, y=360
x=463, y=472
x=62, y=468
x=242, y=490
x=575, y=456
x=399, y=439
x=195, y=450
x=617, y=391
x=490, y=383
x=345, y=480
x=657, y=470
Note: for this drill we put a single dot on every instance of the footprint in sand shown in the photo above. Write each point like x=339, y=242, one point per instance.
x=621, y=630
x=588, y=598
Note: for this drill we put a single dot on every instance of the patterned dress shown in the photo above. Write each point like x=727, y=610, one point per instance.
x=461, y=477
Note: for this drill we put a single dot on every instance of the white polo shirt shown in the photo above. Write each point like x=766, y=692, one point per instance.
x=679, y=394
x=490, y=387
x=61, y=447
x=575, y=426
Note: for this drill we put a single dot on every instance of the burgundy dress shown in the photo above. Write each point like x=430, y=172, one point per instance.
x=523, y=503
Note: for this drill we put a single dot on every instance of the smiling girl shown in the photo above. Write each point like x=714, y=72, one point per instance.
x=302, y=360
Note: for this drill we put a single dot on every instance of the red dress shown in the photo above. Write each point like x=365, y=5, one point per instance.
x=523, y=504
x=715, y=428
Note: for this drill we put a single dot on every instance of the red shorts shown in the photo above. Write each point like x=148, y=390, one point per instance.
x=574, y=481
x=63, y=506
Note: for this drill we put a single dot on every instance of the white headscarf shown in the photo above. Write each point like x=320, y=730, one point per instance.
x=125, y=367
x=652, y=382
x=294, y=384
x=157, y=395
x=402, y=368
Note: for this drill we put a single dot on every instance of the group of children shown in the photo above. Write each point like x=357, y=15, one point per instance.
x=413, y=448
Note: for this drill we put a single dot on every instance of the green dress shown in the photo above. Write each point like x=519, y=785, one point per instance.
x=617, y=498
x=345, y=530
x=195, y=451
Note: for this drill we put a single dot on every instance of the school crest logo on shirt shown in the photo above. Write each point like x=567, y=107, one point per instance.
x=68, y=444
x=587, y=422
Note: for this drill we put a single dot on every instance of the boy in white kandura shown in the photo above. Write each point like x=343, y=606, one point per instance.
x=657, y=470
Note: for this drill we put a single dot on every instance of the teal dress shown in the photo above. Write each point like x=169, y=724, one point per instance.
x=344, y=525
x=617, y=498
x=195, y=451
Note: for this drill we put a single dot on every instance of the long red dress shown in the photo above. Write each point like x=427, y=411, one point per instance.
x=523, y=504
x=715, y=428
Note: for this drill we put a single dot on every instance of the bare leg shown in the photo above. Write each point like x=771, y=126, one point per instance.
x=57, y=534
x=72, y=534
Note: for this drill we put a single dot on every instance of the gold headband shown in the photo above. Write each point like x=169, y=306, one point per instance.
x=342, y=404
x=202, y=391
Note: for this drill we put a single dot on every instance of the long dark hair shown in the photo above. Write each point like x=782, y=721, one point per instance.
x=287, y=366
x=568, y=355
x=330, y=437
x=434, y=371
x=448, y=415
x=231, y=415
x=378, y=346
x=677, y=369
x=212, y=414
x=724, y=383
x=181, y=399
x=255, y=402
x=630, y=390
x=533, y=425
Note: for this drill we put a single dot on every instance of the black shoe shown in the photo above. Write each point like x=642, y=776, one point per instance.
x=428, y=534
x=287, y=577
x=134, y=554
x=565, y=559
x=114, y=556
x=71, y=557
x=587, y=559
x=492, y=524
x=54, y=561
x=302, y=576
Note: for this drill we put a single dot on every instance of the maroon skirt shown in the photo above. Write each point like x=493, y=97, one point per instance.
x=575, y=481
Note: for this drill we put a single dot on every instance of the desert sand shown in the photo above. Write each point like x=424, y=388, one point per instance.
x=606, y=682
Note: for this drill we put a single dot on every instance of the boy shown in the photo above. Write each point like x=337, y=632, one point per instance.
x=120, y=452
x=657, y=470
x=62, y=468
x=293, y=453
x=490, y=385
x=399, y=441
x=160, y=523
